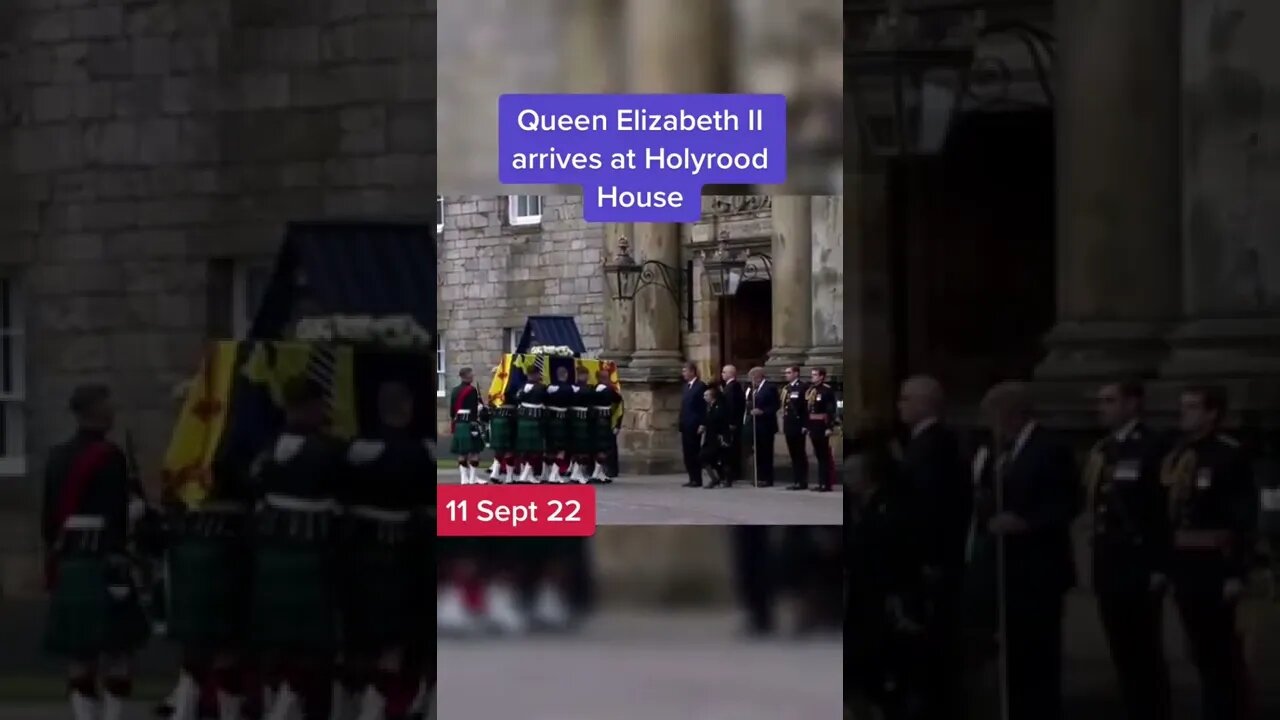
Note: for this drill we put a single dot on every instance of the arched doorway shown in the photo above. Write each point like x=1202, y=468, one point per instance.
x=972, y=237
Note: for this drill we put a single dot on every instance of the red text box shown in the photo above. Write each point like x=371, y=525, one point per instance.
x=515, y=511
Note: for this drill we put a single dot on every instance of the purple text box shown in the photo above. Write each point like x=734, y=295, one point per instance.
x=642, y=158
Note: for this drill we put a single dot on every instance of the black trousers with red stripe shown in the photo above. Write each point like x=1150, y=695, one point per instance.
x=822, y=453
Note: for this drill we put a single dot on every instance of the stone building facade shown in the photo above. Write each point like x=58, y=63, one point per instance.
x=500, y=263
x=153, y=151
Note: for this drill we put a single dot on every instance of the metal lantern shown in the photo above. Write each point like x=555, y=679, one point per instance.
x=625, y=272
x=726, y=270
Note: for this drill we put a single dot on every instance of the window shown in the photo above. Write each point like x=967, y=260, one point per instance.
x=524, y=209
x=440, y=366
x=12, y=380
x=249, y=280
x=439, y=214
x=510, y=340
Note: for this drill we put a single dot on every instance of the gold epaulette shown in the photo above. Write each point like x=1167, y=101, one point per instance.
x=1176, y=474
x=1093, y=475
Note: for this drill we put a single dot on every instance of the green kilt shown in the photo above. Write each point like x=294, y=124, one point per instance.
x=581, y=441
x=501, y=430
x=465, y=442
x=602, y=438
x=293, y=608
x=529, y=438
x=85, y=620
x=557, y=430
x=207, y=597
x=378, y=606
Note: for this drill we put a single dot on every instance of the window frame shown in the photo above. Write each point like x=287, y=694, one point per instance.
x=515, y=218
x=13, y=402
x=442, y=366
x=242, y=315
x=439, y=214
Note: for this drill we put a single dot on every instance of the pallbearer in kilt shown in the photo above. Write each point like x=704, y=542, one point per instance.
x=582, y=452
x=1213, y=511
x=293, y=607
x=1130, y=539
x=822, y=418
x=502, y=438
x=559, y=400
x=208, y=604
x=605, y=423
x=468, y=438
x=95, y=621
x=381, y=600
x=531, y=402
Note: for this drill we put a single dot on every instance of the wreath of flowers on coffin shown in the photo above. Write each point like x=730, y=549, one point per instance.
x=396, y=331
x=553, y=350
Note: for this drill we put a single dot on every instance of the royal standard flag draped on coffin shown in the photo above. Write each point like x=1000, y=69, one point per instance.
x=512, y=373
x=234, y=408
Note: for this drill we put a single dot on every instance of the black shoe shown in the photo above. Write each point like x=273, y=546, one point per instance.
x=820, y=488
x=691, y=484
x=766, y=484
x=797, y=486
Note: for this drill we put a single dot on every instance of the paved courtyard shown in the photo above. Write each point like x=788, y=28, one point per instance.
x=659, y=500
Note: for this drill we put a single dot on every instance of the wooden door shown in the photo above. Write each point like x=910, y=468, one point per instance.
x=748, y=334
x=975, y=256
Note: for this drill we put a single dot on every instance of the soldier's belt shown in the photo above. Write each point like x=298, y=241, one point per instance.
x=580, y=413
x=1203, y=539
x=559, y=410
x=504, y=411
x=291, y=503
x=85, y=523
x=602, y=408
x=382, y=515
x=531, y=411
x=463, y=415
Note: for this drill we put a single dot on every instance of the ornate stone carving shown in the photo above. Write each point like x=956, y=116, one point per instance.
x=740, y=204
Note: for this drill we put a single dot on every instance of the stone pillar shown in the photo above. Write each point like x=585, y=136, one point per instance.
x=869, y=342
x=591, y=54
x=657, y=312
x=619, y=315
x=792, y=281
x=1117, y=170
x=828, y=285
x=1230, y=178
x=678, y=46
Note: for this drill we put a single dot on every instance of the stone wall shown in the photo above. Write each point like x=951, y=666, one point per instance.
x=143, y=140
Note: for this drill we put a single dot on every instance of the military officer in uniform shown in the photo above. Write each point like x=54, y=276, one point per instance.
x=1213, y=510
x=293, y=605
x=821, y=420
x=531, y=401
x=795, y=414
x=381, y=612
x=559, y=400
x=468, y=441
x=1130, y=532
x=95, y=621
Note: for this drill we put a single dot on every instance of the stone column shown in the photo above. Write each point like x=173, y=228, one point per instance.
x=828, y=285
x=591, y=54
x=619, y=315
x=869, y=342
x=1230, y=179
x=792, y=281
x=1117, y=170
x=657, y=312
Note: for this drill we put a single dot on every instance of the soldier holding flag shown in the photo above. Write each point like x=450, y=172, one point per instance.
x=95, y=620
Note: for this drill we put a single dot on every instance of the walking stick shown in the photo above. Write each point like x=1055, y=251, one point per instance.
x=755, y=452
x=1002, y=609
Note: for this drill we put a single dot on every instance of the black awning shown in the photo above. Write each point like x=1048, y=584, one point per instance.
x=350, y=268
x=551, y=330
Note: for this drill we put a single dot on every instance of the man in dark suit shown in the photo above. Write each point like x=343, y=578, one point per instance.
x=693, y=413
x=735, y=400
x=941, y=500
x=762, y=403
x=1037, y=497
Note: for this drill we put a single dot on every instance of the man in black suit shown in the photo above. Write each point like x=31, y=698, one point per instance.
x=735, y=400
x=693, y=413
x=941, y=498
x=762, y=402
x=1037, y=497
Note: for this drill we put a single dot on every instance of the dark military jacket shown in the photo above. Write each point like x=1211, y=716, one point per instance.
x=1211, y=492
x=532, y=394
x=392, y=470
x=820, y=399
x=560, y=394
x=305, y=465
x=795, y=409
x=458, y=402
x=1128, y=507
x=106, y=494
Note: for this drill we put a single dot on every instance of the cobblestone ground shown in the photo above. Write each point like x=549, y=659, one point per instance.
x=659, y=500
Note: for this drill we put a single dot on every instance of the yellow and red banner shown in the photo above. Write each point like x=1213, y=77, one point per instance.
x=512, y=372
